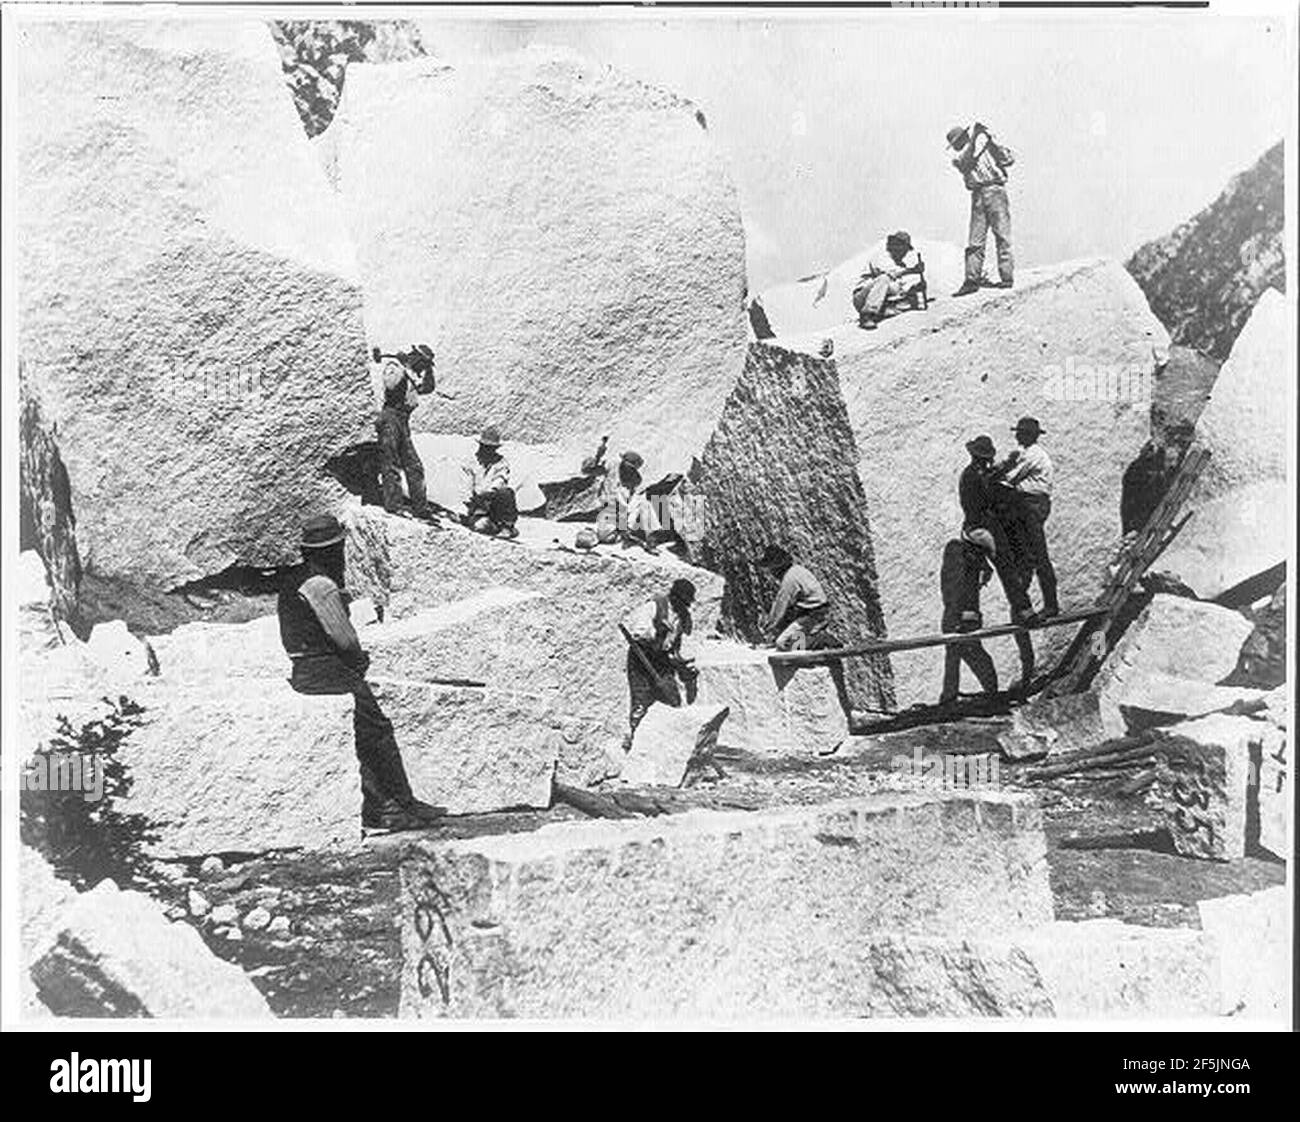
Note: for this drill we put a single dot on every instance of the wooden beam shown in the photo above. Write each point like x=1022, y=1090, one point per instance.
x=888, y=646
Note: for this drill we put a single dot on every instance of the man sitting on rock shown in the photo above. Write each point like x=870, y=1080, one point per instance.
x=894, y=275
x=654, y=659
x=801, y=613
x=627, y=514
x=490, y=506
x=965, y=570
x=400, y=388
x=327, y=659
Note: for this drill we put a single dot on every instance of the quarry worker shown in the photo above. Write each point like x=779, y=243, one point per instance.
x=326, y=655
x=965, y=570
x=983, y=165
x=1028, y=472
x=399, y=390
x=654, y=631
x=801, y=613
x=627, y=514
x=490, y=506
x=894, y=274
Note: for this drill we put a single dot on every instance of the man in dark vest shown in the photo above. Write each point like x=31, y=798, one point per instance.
x=327, y=658
x=402, y=383
x=654, y=659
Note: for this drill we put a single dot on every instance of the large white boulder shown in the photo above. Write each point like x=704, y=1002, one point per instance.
x=114, y=954
x=923, y=384
x=187, y=307
x=1252, y=932
x=565, y=237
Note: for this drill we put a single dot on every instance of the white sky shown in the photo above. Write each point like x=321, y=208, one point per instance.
x=1124, y=123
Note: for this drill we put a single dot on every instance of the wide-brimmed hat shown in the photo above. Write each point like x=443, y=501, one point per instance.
x=955, y=134
x=1029, y=425
x=633, y=460
x=982, y=538
x=900, y=237
x=320, y=531
x=490, y=437
x=982, y=446
x=682, y=591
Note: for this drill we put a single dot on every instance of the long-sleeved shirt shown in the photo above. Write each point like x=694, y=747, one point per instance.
x=881, y=264
x=1031, y=471
x=800, y=592
x=482, y=479
x=975, y=496
x=977, y=166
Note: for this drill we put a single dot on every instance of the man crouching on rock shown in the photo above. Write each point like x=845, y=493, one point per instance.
x=654, y=633
x=327, y=658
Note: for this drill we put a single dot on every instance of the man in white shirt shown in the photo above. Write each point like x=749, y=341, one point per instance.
x=800, y=616
x=1028, y=472
x=894, y=274
x=490, y=506
x=626, y=513
x=655, y=631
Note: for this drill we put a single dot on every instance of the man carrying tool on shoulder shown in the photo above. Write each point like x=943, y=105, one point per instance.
x=654, y=633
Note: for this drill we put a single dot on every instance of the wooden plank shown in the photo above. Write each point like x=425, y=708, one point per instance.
x=888, y=646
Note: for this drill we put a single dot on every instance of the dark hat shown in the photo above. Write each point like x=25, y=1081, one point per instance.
x=682, y=590
x=1030, y=425
x=320, y=531
x=773, y=555
x=956, y=133
x=982, y=446
x=633, y=459
x=900, y=237
x=491, y=437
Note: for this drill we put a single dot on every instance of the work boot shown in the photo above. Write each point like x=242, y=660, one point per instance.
x=391, y=818
x=1048, y=611
x=508, y=532
x=1002, y=284
x=867, y=323
x=424, y=811
x=967, y=288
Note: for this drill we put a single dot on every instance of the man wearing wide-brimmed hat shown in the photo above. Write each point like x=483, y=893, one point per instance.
x=983, y=165
x=966, y=568
x=894, y=275
x=490, y=506
x=1028, y=472
x=327, y=658
x=626, y=513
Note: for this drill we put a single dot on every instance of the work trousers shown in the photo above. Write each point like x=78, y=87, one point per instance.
x=646, y=687
x=973, y=654
x=1034, y=513
x=383, y=776
x=989, y=210
x=808, y=631
x=870, y=299
x=397, y=454
x=494, y=511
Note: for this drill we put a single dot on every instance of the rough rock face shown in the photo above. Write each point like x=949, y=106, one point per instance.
x=185, y=303
x=46, y=520
x=316, y=53
x=1073, y=345
x=667, y=739
x=582, y=269
x=773, y=712
x=781, y=468
x=1094, y=969
x=1203, y=279
x=1253, y=938
x=1239, y=527
x=114, y=954
x=1262, y=662
x=709, y=914
x=519, y=615
x=825, y=300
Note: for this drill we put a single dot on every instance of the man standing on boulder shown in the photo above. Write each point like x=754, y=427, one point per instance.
x=490, y=506
x=397, y=453
x=983, y=165
x=981, y=510
x=801, y=613
x=654, y=632
x=965, y=570
x=1028, y=473
x=327, y=658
